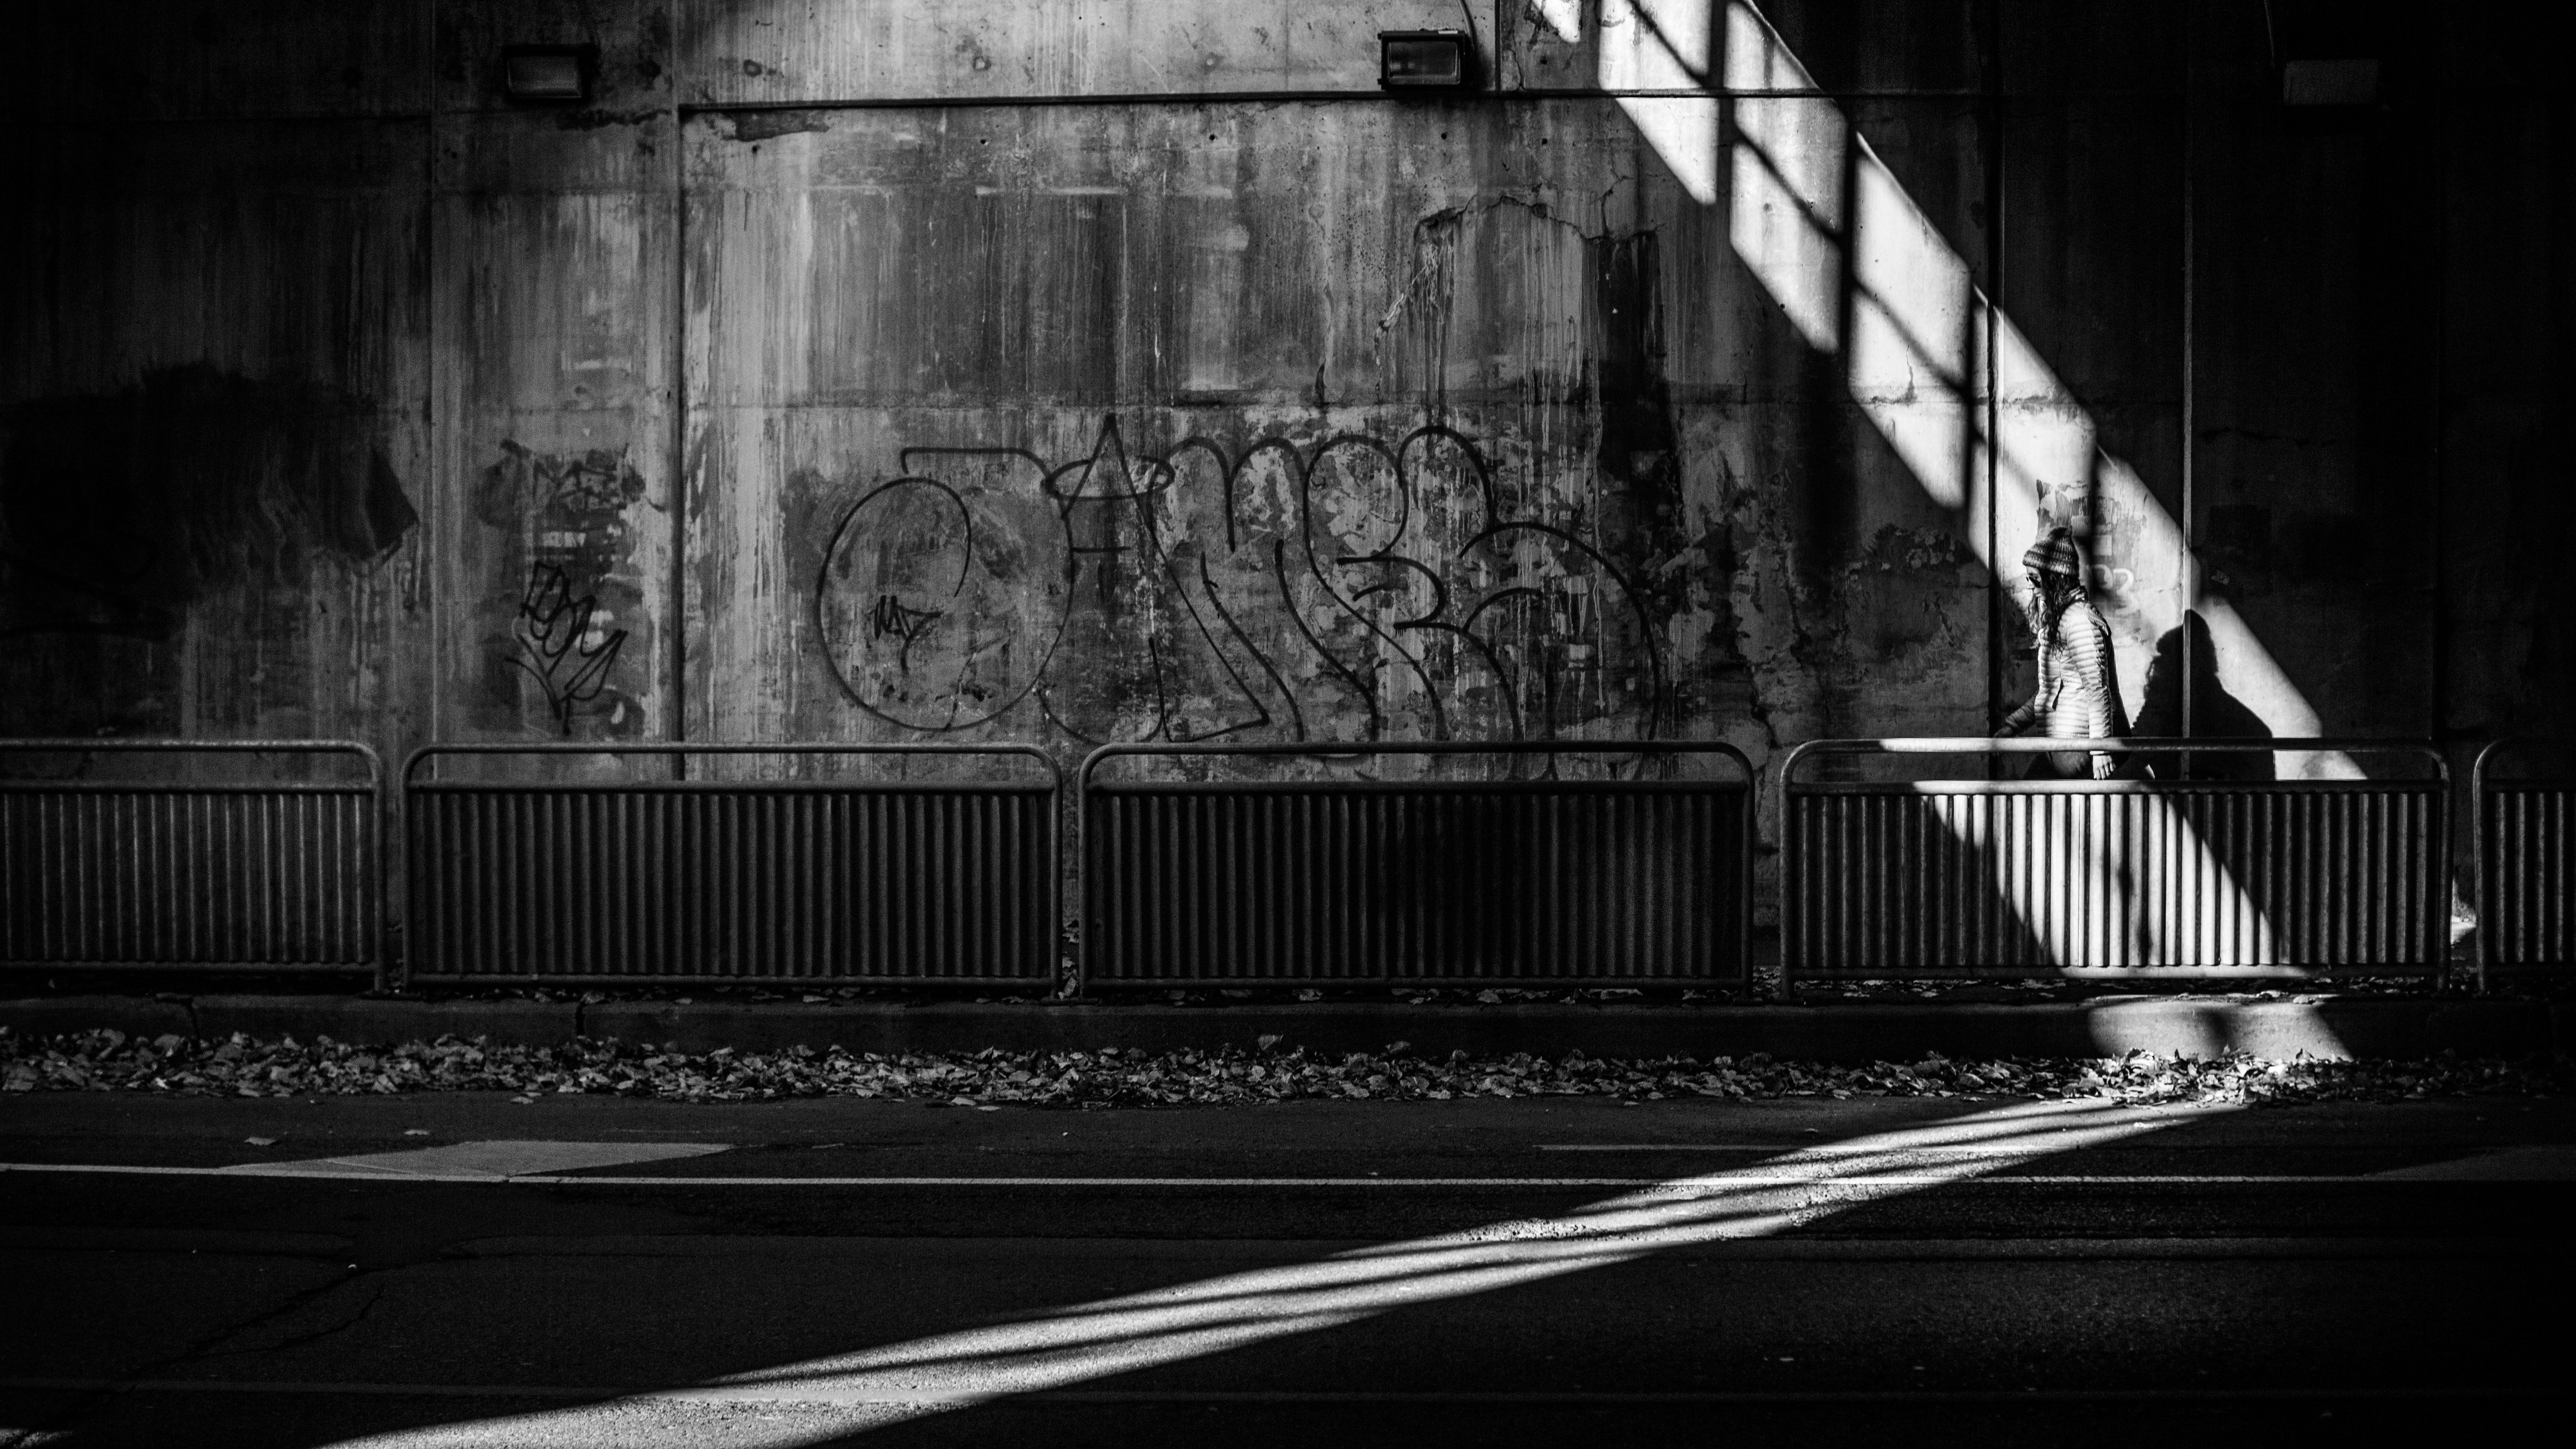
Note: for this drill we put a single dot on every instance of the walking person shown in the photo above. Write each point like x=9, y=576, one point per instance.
x=2077, y=698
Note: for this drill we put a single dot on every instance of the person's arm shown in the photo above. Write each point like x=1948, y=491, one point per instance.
x=2101, y=716
x=2040, y=702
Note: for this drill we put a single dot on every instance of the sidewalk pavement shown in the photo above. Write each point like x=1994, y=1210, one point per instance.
x=2322, y=1026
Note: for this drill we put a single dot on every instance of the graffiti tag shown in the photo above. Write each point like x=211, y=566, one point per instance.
x=1343, y=588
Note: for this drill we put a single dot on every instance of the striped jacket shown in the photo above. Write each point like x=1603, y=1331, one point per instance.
x=2077, y=698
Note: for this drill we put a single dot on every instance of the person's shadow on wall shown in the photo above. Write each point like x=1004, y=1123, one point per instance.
x=2215, y=714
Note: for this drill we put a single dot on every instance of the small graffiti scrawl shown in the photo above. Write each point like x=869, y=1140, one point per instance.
x=566, y=538
x=560, y=645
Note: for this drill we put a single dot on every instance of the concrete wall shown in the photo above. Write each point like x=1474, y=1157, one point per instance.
x=1082, y=371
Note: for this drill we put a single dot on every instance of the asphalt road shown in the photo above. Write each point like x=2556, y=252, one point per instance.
x=443, y=1270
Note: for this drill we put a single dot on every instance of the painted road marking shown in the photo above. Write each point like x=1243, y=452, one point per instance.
x=1341, y=1396
x=2552, y=1163
x=2399, y=1177
x=811, y=1400
x=475, y=1160
x=1680, y=1147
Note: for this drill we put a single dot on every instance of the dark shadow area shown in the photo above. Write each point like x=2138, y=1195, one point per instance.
x=191, y=495
x=2055, y=1290
x=1888, y=885
x=119, y=510
x=1139, y=1418
x=1614, y=882
x=2328, y=865
x=2184, y=676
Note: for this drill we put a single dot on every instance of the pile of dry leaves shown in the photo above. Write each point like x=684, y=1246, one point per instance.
x=240, y=1066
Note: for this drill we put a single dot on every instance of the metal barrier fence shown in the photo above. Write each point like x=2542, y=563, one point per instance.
x=1338, y=881
x=1346, y=882
x=2525, y=868
x=677, y=881
x=2110, y=878
x=195, y=876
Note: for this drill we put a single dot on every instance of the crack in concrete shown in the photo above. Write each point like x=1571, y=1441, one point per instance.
x=365, y=1310
x=72, y=1416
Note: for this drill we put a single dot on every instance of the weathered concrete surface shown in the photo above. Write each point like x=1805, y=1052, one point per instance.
x=2329, y=1029
x=742, y=55
x=1276, y=437
x=553, y=295
x=764, y=395
x=213, y=459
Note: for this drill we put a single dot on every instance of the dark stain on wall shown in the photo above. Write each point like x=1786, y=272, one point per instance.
x=762, y=125
x=2540, y=612
x=1625, y=337
x=1639, y=454
x=119, y=510
x=563, y=536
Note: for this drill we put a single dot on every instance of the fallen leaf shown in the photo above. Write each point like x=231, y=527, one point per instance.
x=243, y=1067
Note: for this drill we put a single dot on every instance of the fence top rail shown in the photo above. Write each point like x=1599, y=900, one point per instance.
x=1879, y=789
x=2424, y=750
x=78, y=745
x=1336, y=749
x=413, y=761
x=2483, y=769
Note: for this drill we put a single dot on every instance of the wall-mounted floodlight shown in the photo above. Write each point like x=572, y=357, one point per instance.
x=2329, y=52
x=1426, y=60
x=538, y=74
x=2330, y=83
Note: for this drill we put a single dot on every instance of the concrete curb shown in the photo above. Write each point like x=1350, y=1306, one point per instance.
x=1851, y=1033
x=365, y=1019
x=142, y=1016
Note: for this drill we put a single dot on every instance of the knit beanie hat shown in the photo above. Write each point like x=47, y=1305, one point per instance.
x=2055, y=553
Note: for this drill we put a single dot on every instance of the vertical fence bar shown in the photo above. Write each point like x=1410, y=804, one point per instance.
x=188, y=874
x=2113, y=877
x=2523, y=871
x=1421, y=881
x=757, y=875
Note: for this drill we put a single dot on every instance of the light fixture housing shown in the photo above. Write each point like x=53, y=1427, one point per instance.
x=1426, y=60
x=548, y=74
x=2351, y=82
x=2335, y=54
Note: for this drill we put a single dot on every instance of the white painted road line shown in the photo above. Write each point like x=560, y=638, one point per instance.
x=2551, y=1163
x=1678, y=1147
x=2533, y=1163
x=2397, y=1177
x=478, y=1160
x=327, y=1388
x=820, y=1400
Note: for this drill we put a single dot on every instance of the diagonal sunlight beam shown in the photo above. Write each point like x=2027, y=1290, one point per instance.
x=1862, y=273
x=1800, y=184
x=824, y=1399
